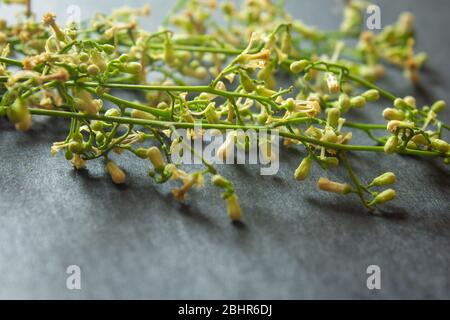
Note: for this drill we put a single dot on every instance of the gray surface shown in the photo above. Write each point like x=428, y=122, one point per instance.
x=136, y=242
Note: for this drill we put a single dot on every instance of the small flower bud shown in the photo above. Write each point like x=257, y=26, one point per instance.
x=383, y=197
x=391, y=145
x=344, y=102
x=246, y=82
x=109, y=49
x=371, y=95
x=358, y=102
x=233, y=207
x=438, y=106
x=383, y=180
x=117, y=174
x=220, y=181
x=393, y=114
x=331, y=161
x=331, y=186
x=411, y=101
x=93, y=70
x=156, y=158
x=333, y=117
x=141, y=153
x=440, y=145
x=132, y=68
x=400, y=103
x=302, y=172
x=112, y=113
x=139, y=114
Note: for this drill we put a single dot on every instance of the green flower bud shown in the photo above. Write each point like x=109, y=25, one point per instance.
x=383, y=180
x=141, y=153
x=233, y=207
x=440, y=145
x=156, y=158
x=333, y=117
x=393, y=114
x=358, y=102
x=76, y=147
x=344, y=102
x=112, y=113
x=302, y=172
x=400, y=103
x=84, y=57
x=132, y=68
x=124, y=58
x=139, y=114
x=411, y=101
x=383, y=197
x=17, y=111
x=391, y=145
x=331, y=161
x=246, y=82
x=68, y=155
x=220, y=181
x=99, y=138
x=371, y=95
x=109, y=49
x=299, y=66
x=93, y=70
x=438, y=106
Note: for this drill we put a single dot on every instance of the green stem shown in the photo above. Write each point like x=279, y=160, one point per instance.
x=184, y=125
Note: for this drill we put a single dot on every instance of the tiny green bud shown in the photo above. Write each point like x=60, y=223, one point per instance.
x=383, y=180
x=112, y=113
x=68, y=155
x=141, y=153
x=155, y=157
x=411, y=101
x=393, y=114
x=299, y=66
x=109, y=49
x=400, y=103
x=371, y=95
x=391, y=145
x=99, y=138
x=97, y=125
x=331, y=161
x=84, y=57
x=220, y=181
x=124, y=58
x=302, y=172
x=233, y=207
x=344, y=102
x=358, y=102
x=383, y=197
x=132, y=67
x=246, y=82
x=333, y=117
x=438, y=106
x=76, y=147
x=93, y=70
x=440, y=145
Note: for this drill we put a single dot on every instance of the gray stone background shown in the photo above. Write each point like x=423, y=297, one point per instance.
x=295, y=242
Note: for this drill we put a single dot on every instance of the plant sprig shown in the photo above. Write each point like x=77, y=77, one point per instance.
x=70, y=72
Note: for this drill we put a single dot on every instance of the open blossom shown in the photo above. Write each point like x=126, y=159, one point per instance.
x=311, y=108
x=255, y=60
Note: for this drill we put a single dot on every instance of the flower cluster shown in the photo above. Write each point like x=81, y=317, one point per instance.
x=74, y=73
